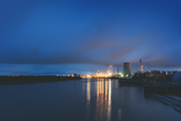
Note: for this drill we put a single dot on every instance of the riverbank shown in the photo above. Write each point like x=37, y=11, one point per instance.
x=154, y=87
x=9, y=80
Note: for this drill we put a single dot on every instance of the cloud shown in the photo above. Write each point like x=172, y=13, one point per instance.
x=93, y=33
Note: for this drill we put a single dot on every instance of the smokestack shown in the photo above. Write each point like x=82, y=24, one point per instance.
x=127, y=68
x=141, y=66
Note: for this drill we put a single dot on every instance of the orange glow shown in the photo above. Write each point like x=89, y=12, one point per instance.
x=83, y=76
x=98, y=75
x=89, y=76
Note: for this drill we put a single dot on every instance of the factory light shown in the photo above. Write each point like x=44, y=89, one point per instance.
x=89, y=76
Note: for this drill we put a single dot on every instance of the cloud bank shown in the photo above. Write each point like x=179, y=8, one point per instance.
x=88, y=32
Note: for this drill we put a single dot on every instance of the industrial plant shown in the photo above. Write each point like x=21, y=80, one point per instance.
x=153, y=78
x=127, y=69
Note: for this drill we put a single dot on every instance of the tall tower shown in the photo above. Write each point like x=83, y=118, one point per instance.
x=141, y=66
x=127, y=68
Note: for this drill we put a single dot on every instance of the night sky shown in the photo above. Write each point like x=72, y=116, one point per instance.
x=43, y=37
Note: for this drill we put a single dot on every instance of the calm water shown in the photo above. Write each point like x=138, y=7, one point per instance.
x=81, y=100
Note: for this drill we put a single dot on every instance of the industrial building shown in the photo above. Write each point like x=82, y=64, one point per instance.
x=127, y=69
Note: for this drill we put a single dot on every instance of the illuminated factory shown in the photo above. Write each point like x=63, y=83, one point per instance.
x=136, y=75
x=126, y=72
x=108, y=74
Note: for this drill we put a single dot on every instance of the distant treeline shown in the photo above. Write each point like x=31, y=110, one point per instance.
x=6, y=80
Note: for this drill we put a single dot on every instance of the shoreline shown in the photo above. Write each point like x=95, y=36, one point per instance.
x=12, y=80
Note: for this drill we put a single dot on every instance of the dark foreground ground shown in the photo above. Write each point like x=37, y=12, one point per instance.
x=7, y=80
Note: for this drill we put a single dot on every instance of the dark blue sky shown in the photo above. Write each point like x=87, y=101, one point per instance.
x=82, y=36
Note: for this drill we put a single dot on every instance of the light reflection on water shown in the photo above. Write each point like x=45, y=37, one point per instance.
x=81, y=100
x=103, y=101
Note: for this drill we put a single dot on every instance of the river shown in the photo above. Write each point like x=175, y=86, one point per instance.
x=81, y=100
